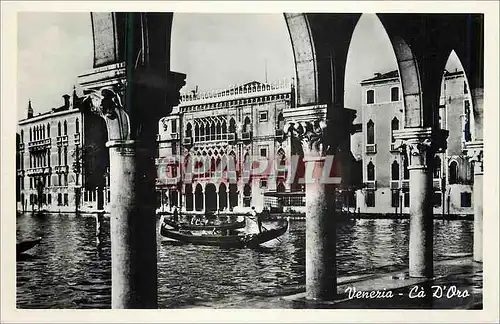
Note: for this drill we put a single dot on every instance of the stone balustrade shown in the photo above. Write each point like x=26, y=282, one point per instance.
x=237, y=92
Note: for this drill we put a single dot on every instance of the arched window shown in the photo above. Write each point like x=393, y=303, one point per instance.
x=224, y=127
x=65, y=128
x=31, y=135
x=467, y=132
x=212, y=131
x=395, y=170
x=59, y=129
x=406, y=172
x=196, y=132
x=43, y=131
x=65, y=155
x=394, y=127
x=370, y=132
x=453, y=172
x=437, y=167
x=218, y=131
x=232, y=126
x=59, y=156
x=370, y=96
x=246, y=125
x=370, y=174
x=48, y=129
x=77, y=126
x=281, y=121
x=189, y=132
x=22, y=136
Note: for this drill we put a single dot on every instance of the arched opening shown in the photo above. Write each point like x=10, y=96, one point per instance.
x=222, y=197
x=188, y=189
x=233, y=196
x=48, y=130
x=65, y=128
x=59, y=129
x=210, y=197
x=198, y=198
x=77, y=126
x=456, y=113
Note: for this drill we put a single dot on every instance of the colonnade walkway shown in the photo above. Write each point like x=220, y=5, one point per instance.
x=454, y=273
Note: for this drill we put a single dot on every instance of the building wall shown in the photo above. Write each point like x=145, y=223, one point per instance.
x=455, y=196
x=58, y=155
x=260, y=106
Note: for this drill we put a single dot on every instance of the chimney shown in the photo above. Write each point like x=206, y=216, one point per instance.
x=30, y=110
x=66, y=101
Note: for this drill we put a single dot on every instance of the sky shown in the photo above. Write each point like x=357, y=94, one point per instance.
x=214, y=50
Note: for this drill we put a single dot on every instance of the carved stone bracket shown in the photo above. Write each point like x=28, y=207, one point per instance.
x=107, y=103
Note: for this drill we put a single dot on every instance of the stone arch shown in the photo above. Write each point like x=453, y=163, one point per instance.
x=210, y=197
x=198, y=197
x=222, y=196
x=196, y=132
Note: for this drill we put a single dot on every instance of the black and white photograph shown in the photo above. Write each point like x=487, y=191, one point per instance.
x=194, y=159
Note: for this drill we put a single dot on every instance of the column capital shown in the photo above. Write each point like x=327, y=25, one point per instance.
x=311, y=134
x=417, y=144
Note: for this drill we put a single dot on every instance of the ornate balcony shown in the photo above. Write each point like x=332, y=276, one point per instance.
x=405, y=184
x=371, y=148
x=246, y=136
x=77, y=138
x=62, y=140
x=61, y=169
x=395, y=184
x=39, y=145
x=187, y=141
x=371, y=184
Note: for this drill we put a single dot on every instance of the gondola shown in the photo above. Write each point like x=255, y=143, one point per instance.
x=26, y=245
x=202, y=227
x=234, y=241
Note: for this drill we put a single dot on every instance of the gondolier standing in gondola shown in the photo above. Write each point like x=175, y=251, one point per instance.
x=258, y=217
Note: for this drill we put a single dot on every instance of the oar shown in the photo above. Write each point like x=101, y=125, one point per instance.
x=265, y=228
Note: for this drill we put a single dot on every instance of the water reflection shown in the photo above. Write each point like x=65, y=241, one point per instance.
x=70, y=269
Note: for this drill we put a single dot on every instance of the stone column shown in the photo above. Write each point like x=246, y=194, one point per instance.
x=476, y=150
x=419, y=152
x=134, y=275
x=228, y=199
x=321, y=274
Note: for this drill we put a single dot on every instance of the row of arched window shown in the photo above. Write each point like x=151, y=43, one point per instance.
x=210, y=130
x=370, y=95
x=370, y=130
x=43, y=131
x=226, y=104
x=395, y=170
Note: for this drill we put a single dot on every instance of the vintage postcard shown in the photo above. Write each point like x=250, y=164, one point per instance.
x=248, y=161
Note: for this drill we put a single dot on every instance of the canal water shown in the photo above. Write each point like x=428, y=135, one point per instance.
x=69, y=269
